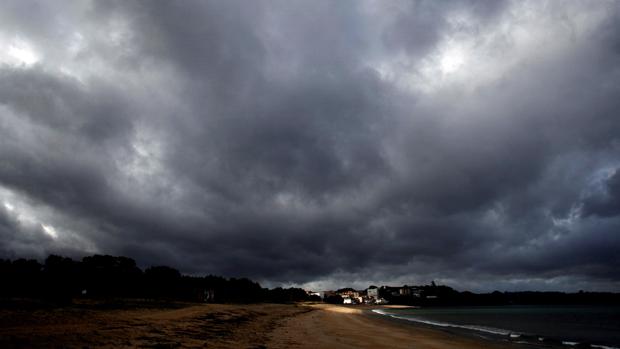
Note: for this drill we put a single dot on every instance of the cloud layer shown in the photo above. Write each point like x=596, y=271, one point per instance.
x=317, y=143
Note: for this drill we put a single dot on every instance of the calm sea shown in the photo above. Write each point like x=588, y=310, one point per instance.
x=596, y=325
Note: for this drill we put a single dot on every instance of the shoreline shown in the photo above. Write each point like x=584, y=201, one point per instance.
x=488, y=339
x=335, y=326
x=494, y=334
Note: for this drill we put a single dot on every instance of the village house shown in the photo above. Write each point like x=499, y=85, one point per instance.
x=404, y=291
x=372, y=292
x=348, y=292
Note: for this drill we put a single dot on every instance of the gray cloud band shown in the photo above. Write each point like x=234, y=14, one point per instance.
x=308, y=143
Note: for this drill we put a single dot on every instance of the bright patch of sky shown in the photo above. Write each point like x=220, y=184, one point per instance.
x=472, y=55
x=17, y=52
x=49, y=230
x=8, y=206
x=452, y=61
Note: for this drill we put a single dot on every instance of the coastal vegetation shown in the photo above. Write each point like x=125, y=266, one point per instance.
x=62, y=279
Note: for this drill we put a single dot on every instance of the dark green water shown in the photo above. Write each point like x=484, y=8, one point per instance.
x=597, y=325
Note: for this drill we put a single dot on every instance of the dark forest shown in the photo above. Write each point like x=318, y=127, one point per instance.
x=62, y=279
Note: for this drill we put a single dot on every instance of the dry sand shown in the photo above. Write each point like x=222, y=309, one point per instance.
x=193, y=326
x=217, y=326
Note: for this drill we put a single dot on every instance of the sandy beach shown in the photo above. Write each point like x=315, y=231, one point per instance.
x=218, y=326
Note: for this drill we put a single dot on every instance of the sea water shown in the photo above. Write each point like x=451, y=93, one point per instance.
x=569, y=325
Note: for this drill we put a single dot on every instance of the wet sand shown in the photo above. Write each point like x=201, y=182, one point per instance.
x=218, y=326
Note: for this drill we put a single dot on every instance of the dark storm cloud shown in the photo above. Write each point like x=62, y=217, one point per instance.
x=418, y=26
x=471, y=142
x=607, y=202
x=20, y=241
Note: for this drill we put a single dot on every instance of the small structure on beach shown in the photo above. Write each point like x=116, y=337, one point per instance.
x=209, y=295
x=314, y=293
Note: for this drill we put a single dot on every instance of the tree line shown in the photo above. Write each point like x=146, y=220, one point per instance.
x=62, y=279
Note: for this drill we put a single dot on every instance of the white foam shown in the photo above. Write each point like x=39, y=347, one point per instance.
x=491, y=330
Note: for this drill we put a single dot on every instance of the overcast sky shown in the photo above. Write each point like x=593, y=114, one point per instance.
x=317, y=143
